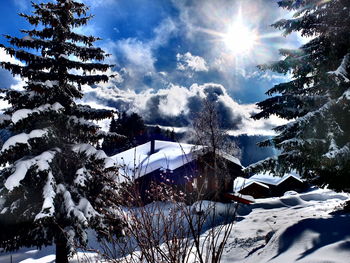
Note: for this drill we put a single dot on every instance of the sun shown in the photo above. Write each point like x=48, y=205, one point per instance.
x=240, y=39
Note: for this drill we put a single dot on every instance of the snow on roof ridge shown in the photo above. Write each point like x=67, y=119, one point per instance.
x=284, y=178
x=267, y=179
x=244, y=183
x=138, y=161
x=262, y=184
x=230, y=157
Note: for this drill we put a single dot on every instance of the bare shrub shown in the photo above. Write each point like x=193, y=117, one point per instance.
x=168, y=230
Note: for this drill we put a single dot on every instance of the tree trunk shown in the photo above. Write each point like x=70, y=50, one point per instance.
x=61, y=251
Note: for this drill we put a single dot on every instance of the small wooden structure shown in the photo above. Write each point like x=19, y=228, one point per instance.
x=250, y=187
x=265, y=185
x=279, y=185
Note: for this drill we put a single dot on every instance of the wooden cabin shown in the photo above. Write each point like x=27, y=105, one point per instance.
x=265, y=185
x=188, y=168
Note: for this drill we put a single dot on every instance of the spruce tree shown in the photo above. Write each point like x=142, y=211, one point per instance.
x=316, y=141
x=132, y=127
x=54, y=184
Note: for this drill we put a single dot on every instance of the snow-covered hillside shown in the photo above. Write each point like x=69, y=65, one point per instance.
x=292, y=228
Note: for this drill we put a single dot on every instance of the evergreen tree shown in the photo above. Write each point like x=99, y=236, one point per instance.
x=113, y=126
x=110, y=145
x=316, y=141
x=55, y=184
x=132, y=127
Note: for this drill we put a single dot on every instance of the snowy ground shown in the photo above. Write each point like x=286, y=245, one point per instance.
x=293, y=228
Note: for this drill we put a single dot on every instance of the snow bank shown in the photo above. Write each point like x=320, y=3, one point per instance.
x=292, y=228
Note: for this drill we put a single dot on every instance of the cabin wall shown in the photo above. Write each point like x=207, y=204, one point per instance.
x=256, y=191
x=214, y=183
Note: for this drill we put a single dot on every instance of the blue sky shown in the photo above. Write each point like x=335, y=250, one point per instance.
x=170, y=53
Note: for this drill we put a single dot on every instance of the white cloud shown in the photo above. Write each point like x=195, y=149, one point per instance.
x=163, y=32
x=189, y=62
x=17, y=82
x=138, y=57
x=4, y=57
x=137, y=53
x=174, y=101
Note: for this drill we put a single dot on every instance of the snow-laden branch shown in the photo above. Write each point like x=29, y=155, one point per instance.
x=23, y=138
x=49, y=194
x=4, y=118
x=69, y=205
x=82, y=212
x=24, y=113
x=47, y=83
x=82, y=121
x=308, y=117
x=337, y=153
x=82, y=175
x=21, y=168
x=342, y=70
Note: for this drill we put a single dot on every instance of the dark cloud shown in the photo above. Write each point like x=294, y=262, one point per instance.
x=214, y=91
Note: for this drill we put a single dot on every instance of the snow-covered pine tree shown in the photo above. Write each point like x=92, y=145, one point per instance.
x=54, y=184
x=316, y=141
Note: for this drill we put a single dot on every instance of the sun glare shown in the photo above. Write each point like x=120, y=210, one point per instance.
x=240, y=39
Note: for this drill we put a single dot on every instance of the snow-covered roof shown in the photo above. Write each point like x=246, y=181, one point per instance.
x=267, y=178
x=138, y=161
x=241, y=183
x=230, y=158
